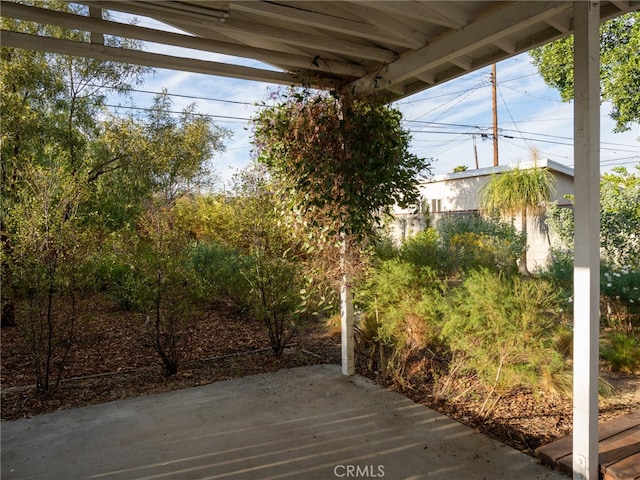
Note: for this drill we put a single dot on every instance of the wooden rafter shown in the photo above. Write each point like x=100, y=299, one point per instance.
x=135, y=57
x=514, y=16
x=300, y=16
x=400, y=47
x=100, y=26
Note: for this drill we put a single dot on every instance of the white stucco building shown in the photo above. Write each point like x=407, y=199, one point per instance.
x=460, y=193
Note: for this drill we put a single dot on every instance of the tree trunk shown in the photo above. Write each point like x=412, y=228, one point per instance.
x=7, y=310
x=7, y=314
x=522, y=263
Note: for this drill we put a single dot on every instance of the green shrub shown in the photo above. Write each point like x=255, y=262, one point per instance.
x=621, y=351
x=619, y=289
x=620, y=292
x=471, y=242
x=276, y=297
x=471, y=251
x=559, y=272
x=384, y=248
x=423, y=249
x=166, y=289
x=504, y=327
x=113, y=269
x=403, y=299
x=220, y=273
x=130, y=289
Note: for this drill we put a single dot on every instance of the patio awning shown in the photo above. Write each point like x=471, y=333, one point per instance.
x=399, y=47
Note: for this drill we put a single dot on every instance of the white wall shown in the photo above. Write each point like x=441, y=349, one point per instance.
x=459, y=192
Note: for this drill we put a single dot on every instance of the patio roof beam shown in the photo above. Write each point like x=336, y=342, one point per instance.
x=97, y=38
x=511, y=18
x=300, y=16
x=418, y=11
x=385, y=22
x=100, y=26
x=136, y=57
x=244, y=31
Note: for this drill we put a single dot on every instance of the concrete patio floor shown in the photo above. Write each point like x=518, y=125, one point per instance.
x=303, y=423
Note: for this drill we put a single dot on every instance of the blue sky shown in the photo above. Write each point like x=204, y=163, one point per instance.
x=444, y=120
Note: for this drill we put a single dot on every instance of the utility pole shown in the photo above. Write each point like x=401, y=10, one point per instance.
x=475, y=151
x=495, y=115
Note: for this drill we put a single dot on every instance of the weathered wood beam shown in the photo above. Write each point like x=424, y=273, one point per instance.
x=507, y=45
x=463, y=61
x=411, y=37
x=241, y=29
x=189, y=23
x=135, y=57
x=561, y=23
x=621, y=4
x=321, y=21
x=501, y=23
x=450, y=11
x=427, y=77
x=96, y=37
x=319, y=43
x=415, y=10
x=172, y=8
x=67, y=20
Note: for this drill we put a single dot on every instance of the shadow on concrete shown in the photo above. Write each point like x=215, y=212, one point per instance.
x=304, y=423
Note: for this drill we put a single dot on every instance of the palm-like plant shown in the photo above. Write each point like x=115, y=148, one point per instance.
x=519, y=191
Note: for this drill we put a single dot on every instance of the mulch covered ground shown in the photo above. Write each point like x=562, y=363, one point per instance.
x=109, y=360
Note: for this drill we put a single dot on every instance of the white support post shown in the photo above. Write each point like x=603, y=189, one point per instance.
x=586, y=275
x=346, y=314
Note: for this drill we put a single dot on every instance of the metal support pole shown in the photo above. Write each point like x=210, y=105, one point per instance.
x=586, y=287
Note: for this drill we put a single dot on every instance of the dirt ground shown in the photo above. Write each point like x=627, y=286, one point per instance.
x=108, y=360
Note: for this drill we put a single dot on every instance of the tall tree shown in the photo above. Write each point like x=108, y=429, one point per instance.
x=64, y=161
x=162, y=155
x=519, y=191
x=49, y=247
x=50, y=107
x=619, y=67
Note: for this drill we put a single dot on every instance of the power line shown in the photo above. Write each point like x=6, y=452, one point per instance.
x=412, y=102
x=562, y=143
x=628, y=162
x=444, y=132
x=511, y=116
x=195, y=97
x=210, y=115
x=424, y=122
x=521, y=137
x=416, y=121
x=609, y=160
x=468, y=92
x=540, y=97
x=521, y=132
x=178, y=95
x=518, y=78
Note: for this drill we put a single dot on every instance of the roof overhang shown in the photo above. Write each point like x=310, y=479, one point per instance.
x=393, y=47
x=488, y=171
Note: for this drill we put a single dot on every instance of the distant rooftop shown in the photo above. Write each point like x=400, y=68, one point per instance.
x=480, y=172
